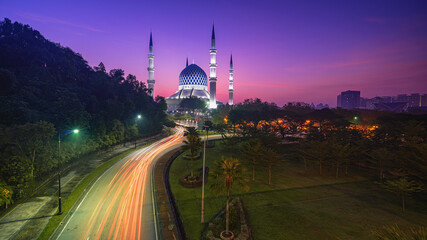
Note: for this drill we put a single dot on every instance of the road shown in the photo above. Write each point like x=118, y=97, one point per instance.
x=120, y=205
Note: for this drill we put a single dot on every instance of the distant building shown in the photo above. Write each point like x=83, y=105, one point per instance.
x=371, y=103
x=401, y=98
x=387, y=99
x=392, y=107
x=424, y=100
x=350, y=99
x=400, y=103
x=414, y=100
x=339, y=100
x=321, y=106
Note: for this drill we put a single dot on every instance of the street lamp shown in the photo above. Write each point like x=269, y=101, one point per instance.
x=75, y=131
x=206, y=127
x=138, y=118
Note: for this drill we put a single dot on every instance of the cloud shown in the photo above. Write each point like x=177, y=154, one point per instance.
x=45, y=19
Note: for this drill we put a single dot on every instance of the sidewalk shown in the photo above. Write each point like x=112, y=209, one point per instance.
x=28, y=219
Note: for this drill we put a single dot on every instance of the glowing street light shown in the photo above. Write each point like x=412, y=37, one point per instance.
x=75, y=131
x=139, y=116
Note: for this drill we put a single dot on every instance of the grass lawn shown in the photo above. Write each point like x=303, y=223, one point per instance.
x=298, y=204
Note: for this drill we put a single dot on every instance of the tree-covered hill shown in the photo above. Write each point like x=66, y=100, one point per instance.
x=41, y=80
x=46, y=88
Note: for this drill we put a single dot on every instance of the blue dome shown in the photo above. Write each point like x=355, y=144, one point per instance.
x=193, y=75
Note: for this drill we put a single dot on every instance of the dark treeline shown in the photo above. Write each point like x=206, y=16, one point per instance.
x=390, y=147
x=47, y=89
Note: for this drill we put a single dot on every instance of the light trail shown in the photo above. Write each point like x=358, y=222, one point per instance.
x=119, y=213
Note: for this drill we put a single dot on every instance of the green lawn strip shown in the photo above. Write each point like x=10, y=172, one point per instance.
x=298, y=204
x=69, y=202
x=203, y=132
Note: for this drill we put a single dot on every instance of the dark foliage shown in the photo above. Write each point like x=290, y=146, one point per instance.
x=44, y=81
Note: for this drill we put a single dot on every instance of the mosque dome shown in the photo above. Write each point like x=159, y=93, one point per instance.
x=193, y=75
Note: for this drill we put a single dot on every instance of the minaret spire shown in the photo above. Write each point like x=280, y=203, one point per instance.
x=213, y=37
x=212, y=75
x=151, y=43
x=230, y=83
x=186, y=65
x=150, y=81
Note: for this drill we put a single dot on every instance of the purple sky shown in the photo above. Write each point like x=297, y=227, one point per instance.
x=282, y=50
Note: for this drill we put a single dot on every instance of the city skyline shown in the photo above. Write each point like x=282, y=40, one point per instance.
x=282, y=51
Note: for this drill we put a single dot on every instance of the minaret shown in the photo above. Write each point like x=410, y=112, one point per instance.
x=212, y=75
x=150, y=81
x=230, y=83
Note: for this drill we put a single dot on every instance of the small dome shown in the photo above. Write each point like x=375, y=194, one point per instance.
x=193, y=75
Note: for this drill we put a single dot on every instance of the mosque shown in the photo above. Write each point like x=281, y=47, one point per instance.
x=193, y=81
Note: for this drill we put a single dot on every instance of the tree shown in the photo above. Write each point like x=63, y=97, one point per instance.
x=316, y=151
x=192, y=144
x=271, y=158
x=44, y=81
x=219, y=114
x=31, y=140
x=228, y=172
x=382, y=157
x=100, y=67
x=252, y=151
x=193, y=103
x=7, y=80
x=338, y=154
x=403, y=187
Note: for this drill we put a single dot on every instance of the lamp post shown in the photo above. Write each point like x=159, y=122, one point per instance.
x=75, y=131
x=203, y=174
x=138, y=118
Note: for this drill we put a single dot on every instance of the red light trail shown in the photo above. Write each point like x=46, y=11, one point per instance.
x=117, y=211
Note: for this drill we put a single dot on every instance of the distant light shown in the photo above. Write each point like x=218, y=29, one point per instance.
x=355, y=118
x=139, y=116
x=75, y=131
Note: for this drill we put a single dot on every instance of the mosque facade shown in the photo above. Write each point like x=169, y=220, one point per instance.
x=193, y=81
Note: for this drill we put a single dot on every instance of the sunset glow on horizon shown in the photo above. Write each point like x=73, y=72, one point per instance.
x=282, y=51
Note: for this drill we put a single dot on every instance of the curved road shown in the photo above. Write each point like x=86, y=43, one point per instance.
x=120, y=205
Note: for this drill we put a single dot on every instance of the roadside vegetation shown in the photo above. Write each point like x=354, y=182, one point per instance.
x=46, y=92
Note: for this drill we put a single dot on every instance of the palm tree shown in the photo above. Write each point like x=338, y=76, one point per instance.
x=228, y=172
x=192, y=144
x=252, y=151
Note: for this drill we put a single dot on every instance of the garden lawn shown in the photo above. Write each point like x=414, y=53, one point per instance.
x=298, y=204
